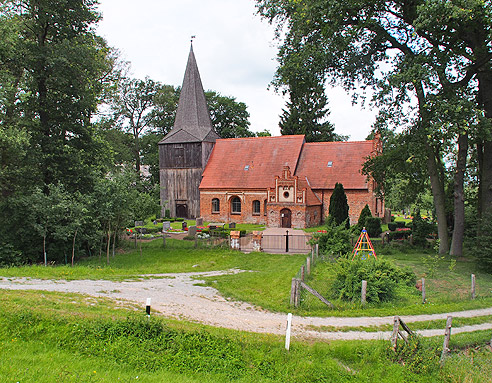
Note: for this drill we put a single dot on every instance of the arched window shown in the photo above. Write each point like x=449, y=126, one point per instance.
x=215, y=205
x=235, y=205
x=256, y=207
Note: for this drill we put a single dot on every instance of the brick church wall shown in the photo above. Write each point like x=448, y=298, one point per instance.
x=302, y=216
x=356, y=200
x=225, y=212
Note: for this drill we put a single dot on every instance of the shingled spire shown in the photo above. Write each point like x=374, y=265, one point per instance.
x=192, y=123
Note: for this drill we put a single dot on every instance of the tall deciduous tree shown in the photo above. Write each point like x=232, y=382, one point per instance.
x=422, y=50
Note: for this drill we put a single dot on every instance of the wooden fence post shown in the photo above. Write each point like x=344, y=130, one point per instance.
x=308, y=264
x=317, y=250
x=293, y=291
x=447, y=336
x=423, y=290
x=394, y=335
x=473, y=286
x=363, y=293
x=302, y=272
x=298, y=293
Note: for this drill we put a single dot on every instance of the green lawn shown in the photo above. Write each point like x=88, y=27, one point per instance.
x=56, y=337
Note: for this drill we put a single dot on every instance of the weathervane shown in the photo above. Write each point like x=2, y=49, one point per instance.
x=193, y=37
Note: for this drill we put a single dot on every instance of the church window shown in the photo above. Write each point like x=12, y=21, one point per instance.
x=215, y=205
x=256, y=207
x=286, y=194
x=236, y=205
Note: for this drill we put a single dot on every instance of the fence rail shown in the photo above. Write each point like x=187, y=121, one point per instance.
x=284, y=243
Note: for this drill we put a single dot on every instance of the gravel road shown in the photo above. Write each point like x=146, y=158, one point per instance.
x=181, y=296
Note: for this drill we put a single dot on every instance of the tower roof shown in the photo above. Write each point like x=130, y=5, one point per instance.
x=192, y=123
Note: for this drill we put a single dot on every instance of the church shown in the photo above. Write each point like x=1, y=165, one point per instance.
x=277, y=181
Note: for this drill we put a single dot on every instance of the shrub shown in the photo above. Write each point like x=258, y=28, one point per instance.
x=339, y=208
x=421, y=229
x=400, y=224
x=415, y=356
x=381, y=275
x=168, y=213
x=392, y=226
x=334, y=240
x=483, y=248
x=400, y=234
x=373, y=226
x=9, y=256
x=365, y=213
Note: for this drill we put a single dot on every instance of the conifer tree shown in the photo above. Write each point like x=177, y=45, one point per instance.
x=339, y=208
x=366, y=212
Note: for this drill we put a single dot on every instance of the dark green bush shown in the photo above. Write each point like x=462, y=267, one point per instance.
x=373, y=226
x=392, y=226
x=396, y=235
x=333, y=240
x=365, y=213
x=422, y=229
x=9, y=256
x=483, y=245
x=381, y=275
x=168, y=213
x=400, y=224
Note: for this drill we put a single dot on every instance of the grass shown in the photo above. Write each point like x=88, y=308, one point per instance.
x=56, y=337
x=268, y=285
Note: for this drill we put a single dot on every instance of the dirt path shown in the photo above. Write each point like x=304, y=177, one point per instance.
x=180, y=296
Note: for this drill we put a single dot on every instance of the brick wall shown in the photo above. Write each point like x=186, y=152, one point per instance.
x=356, y=200
x=302, y=216
x=225, y=212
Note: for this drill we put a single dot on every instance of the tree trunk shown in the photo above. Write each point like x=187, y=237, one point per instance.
x=439, y=200
x=44, y=250
x=73, y=245
x=108, y=245
x=114, y=239
x=459, y=197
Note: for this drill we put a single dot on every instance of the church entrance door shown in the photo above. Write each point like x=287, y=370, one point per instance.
x=285, y=218
x=181, y=210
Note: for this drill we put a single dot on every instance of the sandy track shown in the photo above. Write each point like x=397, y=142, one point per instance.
x=180, y=296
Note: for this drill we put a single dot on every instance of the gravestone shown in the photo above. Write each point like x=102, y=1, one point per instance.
x=192, y=231
x=199, y=221
x=232, y=225
x=184, y=225
x=166, y=225
x=139, y=223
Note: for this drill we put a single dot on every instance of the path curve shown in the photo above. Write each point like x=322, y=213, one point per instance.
x=183, y=296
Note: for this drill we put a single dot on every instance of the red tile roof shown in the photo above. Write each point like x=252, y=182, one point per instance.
x=346, y=163
x=250, y=163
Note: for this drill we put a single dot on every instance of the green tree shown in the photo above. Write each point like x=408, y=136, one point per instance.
x=365, y=212
x=230, y=118
x=339, y=208
x=404, y=51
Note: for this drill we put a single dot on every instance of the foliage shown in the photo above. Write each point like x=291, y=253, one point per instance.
x=333, y=240
x=483, y=244
x=373, y=226
x=416, y=355
x=392, y=226
x=422, y=228
x=339, y=208
x=9, y=256
x=382, y=278
x=230, y=118
x=365, y=212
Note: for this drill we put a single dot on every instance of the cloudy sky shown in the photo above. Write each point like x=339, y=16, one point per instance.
x=235, y=51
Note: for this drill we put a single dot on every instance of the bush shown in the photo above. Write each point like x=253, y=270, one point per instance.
x=400, y=234
x=168, y=213
x=365, y=213
x=381, y=275
x=421, y=229
x=339, y=208
x=373, y=226
x=9, y=256
x=392, y=226
x=334, y=240
x=483, y=248
x=400, y=224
